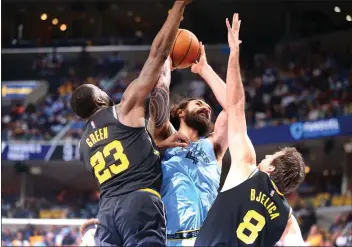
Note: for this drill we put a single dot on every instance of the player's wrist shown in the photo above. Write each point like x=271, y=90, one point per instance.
x=206, y=68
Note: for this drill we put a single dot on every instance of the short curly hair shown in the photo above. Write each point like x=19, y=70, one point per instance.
x=289, y=170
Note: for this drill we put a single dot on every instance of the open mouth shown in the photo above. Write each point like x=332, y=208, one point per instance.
x=203, y=114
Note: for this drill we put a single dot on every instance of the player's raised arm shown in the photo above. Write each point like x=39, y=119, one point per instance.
x=159, y=106
x=140, y=88
x=218, y=86
x=241, y=148
x=292, y=235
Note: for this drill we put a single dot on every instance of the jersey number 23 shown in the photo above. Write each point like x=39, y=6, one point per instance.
x=97, y=161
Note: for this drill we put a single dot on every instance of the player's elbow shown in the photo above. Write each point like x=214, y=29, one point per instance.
x=159, y=51
x=236, y=103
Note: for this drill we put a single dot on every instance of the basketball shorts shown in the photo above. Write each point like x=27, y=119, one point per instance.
x=133, y=219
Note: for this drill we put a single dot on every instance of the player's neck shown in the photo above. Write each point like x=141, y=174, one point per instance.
x=190, y=133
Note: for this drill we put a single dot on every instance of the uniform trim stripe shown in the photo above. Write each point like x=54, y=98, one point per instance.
x=174, y=239
x=253, y=172
x=152, y=191
x=187, y=234
x=114, y=112
x=289, y=215
x=276, y=189
x=188, y=231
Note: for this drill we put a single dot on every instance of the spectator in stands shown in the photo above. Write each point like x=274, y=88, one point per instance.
x=6, y=237
x=315, y=237
x=19, y=241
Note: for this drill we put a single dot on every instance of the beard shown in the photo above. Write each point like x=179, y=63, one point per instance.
x=203, y=125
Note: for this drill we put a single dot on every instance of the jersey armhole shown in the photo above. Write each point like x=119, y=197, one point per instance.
x=233, y=182
x=290, y=213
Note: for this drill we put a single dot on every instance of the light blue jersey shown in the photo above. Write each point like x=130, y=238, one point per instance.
x=191, y=178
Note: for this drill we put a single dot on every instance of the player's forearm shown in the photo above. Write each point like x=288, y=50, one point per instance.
x=159, y=105
x=235, y=90
x=216, y=84
x=165, y=38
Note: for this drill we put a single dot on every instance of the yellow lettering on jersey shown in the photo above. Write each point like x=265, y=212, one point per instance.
x=97, y=136
x=263, y=199
x=258, y=197
x=273, y=216
x=270, y=210
x=252, y=194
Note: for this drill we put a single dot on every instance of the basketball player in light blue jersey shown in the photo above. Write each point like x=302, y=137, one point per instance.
x=191, y=174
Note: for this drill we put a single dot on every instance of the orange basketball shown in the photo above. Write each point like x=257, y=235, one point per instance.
x=186, y=49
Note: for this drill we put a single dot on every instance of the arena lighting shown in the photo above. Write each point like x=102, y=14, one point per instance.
x=137, y=19
x=63, y=27
x=326, y=173
x=55, y=21
x=348, y=18
x=306, y=169
x=43, y=17
x=337, y=9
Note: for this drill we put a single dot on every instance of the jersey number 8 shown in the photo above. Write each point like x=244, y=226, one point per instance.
x=254, y=229
x=97, y=161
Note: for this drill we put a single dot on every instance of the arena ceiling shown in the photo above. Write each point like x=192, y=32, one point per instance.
x=204, y=17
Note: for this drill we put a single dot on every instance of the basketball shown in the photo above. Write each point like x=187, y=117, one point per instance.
x=186, y=49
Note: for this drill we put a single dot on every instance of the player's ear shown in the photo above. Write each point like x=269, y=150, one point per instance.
x=271, y=168
x=181, y=113
x=100, y=102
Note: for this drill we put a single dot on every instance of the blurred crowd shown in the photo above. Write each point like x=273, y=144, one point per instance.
x=338, y=234
x=301, y=83
x=66, y=204
x=37, y=236
x=45, y=120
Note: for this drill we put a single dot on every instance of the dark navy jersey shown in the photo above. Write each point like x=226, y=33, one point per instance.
x=254, y=213
x=121, y=158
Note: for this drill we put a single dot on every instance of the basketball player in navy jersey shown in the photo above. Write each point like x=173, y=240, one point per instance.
x=251, y=209
x=191, y=174
x=119, y=152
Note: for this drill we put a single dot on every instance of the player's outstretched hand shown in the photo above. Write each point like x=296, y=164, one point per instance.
x=197, y=67
x=184, y=1
x=233, y=32
x=175, y=140
x=88, y=223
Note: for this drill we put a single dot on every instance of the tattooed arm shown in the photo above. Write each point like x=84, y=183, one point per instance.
x=159, y=107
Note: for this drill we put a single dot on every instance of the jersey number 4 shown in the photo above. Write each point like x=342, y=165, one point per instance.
x=97, y=161
x=251, y=228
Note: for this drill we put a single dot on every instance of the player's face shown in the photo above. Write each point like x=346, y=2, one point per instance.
x=105, y=98
x=200, y=108
x=265, y=164
x=198, y=116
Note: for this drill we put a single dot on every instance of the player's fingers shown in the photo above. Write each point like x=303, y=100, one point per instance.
x=87, y=223
x=234, y=20
x=202, y=50
x=228, y=24
x=182, y=138
x=193, y=67
x=181, y=144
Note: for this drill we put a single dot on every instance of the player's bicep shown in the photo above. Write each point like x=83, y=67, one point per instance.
x=243, y=161
x=292, y=235
x=240, y=146
x=137, y=92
